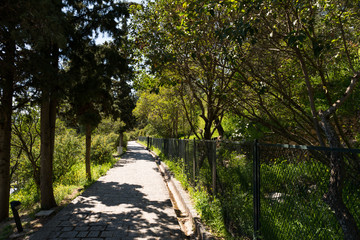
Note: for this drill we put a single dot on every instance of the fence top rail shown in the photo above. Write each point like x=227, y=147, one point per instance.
x=304, y=147
x=201, y=140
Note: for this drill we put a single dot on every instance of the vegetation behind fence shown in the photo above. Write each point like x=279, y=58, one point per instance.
x=269, y=191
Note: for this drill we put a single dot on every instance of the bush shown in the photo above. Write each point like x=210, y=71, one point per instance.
x=75, y=176
x=102, y=148
x=69, y=150
x=27, y=195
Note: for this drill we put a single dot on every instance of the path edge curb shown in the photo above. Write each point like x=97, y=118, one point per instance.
x=184, y=199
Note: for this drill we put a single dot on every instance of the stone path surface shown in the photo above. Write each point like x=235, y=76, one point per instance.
x=130, y=202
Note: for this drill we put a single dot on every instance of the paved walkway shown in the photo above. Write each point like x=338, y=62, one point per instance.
x=130, y=202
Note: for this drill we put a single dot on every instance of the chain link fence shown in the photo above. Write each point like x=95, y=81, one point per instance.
x=268, y=191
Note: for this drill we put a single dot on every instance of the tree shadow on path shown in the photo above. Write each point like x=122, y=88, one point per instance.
x=115, y=210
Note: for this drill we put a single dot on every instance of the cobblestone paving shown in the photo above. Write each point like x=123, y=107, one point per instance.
x=130, y=202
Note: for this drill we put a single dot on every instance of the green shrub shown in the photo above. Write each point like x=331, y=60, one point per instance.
x=211, y=211
x=133, y=135
x=28, y=195
x=62, y=191
x=69, y=166
x=69, y=150
x=99, y=170
x=102, y=148
x=75, y=176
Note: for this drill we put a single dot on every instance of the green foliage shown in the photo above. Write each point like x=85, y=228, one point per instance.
x=25, y=146
x=209, y=208
x=239, y=128
x=99, y=170
x=108, y=125
x=134, y=134
x=288, y=69
x=74, y=176
x=292, y=205
x=102, y=148
x=62, y=191
x=29, y=195
x=177, y=167
x=211, y=211
x=167, y=117
x=180, y=44
x=69, y=150
x=292, y=188
x=69, y=165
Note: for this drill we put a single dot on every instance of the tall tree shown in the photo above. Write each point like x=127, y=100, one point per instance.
x=179, y=38
x=47, y=38
x=297, y=67
x=46, y=30
x=77, y=24
x=13, y=19
x=93, y=68
x=7, y=78
x=90, y=95
x=167, y=117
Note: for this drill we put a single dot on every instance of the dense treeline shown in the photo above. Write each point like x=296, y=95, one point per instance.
x=287, y=70
x=51, y=66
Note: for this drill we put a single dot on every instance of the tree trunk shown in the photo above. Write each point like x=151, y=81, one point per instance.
x=219, y=128
x=334, y=196
x=87, y=152
x=35, y=168
x=36, y=176
x=5, y=138
x=207, y=130
x=7, y=78
x=47, y=132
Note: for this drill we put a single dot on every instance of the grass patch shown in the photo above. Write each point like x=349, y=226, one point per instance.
x=291, y=195
x=208, y=207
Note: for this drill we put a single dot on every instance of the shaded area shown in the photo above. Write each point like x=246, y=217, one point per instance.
x=118, y=210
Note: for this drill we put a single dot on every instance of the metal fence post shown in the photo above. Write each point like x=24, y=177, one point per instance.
x=213, y=160
x=185, y=158
x=163, y=146
x=194, y=162
x=256, y=186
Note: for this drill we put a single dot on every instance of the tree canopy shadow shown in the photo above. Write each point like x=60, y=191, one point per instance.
x=119, y=210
